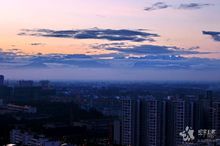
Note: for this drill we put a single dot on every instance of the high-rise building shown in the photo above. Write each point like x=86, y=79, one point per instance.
x=130, y=121
x=2, y=80
x=216, y=118
x=117, y=132
x=180, y=113
x=209, y=96
x=175, y=121
x=143, y=122
x=152, y=122
x=205, y=111
x=192, y=113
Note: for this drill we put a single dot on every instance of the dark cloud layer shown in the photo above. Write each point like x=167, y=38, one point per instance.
x=155, y=50
x=150, y=57
x=185, y=6
x=95, y=33
x=214, y=34
x=9, y=56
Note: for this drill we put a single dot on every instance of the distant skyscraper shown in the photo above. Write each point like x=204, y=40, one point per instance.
x=1, y=80
x=45, y=83
x=24, y=83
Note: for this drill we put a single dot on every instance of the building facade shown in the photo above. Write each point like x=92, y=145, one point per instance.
x=28, y=139
x=2, y=80
x=130, y=121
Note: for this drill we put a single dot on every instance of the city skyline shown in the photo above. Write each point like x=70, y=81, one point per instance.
x=110, y=40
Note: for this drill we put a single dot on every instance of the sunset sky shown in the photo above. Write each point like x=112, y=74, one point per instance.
x=110, y=39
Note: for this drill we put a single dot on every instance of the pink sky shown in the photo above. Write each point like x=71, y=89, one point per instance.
x=182, y=28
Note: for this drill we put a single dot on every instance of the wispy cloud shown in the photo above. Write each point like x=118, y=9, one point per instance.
x=191, y=6
x=95, y=33
x=157, y=6
x=183, y=6
x=214, y=34
x=37, y=44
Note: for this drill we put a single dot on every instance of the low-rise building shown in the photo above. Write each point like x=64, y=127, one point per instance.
x=18, y=108
x=29, y=139
x=1, y=102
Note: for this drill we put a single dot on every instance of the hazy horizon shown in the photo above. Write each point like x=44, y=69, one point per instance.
x=110, y=74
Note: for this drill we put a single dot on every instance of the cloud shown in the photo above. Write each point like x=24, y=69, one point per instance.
x=8, y=56
x=214, y=34
x=147, y=57
x=152, y=50
x=109, y=56
x=37, y=44
x=191, y=6
x=185, y=6
x=157, y=6
x=95, y=33
x=70, y=60
x=180, y=63
x=159, y=57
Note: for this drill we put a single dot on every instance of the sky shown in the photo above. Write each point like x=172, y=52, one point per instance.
x=110, y=39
